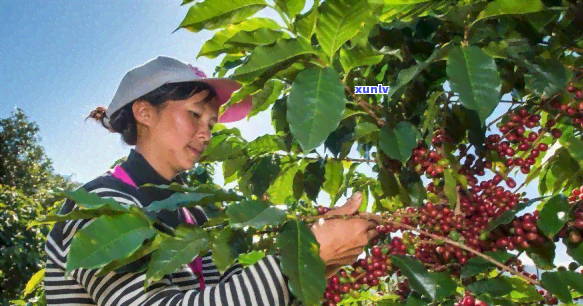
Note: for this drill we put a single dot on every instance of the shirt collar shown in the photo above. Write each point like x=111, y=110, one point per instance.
x=142, y=172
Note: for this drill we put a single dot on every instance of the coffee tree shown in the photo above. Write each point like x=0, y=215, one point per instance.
x=410, y=87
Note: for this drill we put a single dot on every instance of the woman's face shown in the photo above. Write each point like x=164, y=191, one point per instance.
x=182, y=131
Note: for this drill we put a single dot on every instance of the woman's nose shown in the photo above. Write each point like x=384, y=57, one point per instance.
x=204, y=134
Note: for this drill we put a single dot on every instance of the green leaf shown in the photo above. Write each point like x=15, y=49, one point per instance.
x=558, y=284
x=232, y=168
x=572, y=143
x=76, y=214
x=305, y=24
x=267, y=96
x=429, y=116
x=214, y=194
x=256, y=90
x=450, y=187
x=222, y=147
x=339, y=21
x=227, y=245
x=333, y=177
x=553, y=215
x=177, y=201
x=252, y=258
x=495, y=287
x=90, y=201
x=543, y=255
x=576, y=253
x=412, y=300
x=476, y=129
x=406, y=75
x=522, y=292
x=254, y=213
x=290, y=7
x=477, y=265
x=257, y=37
x=265, y=144
x=282, y=187
x=435, y=286
x=259, y=176
x=173, y=252
x=365, y=128
x=211, y=15
x=107, y=238
x=216, y=45
x=398, y=143
x=474, y=76
x=398, y=2
x=315, y=106
x=301, y=262
x=314, y=176
x=132, y=262
x=503, y=7
x=33, y=282
x=264, y=58
x=545, y=77
x=359, y=56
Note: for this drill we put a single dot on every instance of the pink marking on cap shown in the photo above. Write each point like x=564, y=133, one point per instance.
x=198, y=72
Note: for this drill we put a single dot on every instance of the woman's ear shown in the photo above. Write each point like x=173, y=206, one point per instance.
x=144, y=112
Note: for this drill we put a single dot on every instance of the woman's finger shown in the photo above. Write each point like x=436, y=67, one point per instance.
x=371, y=234
x=348, y=257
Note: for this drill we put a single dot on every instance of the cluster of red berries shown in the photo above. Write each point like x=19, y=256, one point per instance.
x=576, y=91
x=515, y=138
x=520, y=234
x=548, y=298
x=439, y=138
x=573, y=110
x=518, y=146
x=573, y=230
x=366, y=273
x=425, y=162
x=469, y=300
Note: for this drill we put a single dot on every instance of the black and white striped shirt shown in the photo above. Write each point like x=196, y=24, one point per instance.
x=260, y=284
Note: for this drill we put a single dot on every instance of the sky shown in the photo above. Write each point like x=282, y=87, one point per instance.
x=62, y=59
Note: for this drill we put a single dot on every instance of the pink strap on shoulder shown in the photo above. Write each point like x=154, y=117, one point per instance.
x=196, y=264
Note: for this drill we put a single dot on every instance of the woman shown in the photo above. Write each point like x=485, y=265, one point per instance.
x=167, y=109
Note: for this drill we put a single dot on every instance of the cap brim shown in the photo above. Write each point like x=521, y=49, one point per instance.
x=224, y=89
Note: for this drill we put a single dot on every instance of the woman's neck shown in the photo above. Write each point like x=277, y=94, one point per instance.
x=157, y=161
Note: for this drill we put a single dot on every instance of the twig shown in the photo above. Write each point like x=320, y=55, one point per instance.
x=363, y=104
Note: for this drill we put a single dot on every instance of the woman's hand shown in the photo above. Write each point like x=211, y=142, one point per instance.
x=342, y=241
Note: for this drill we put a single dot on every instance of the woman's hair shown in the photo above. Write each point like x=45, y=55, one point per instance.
x=123, y=120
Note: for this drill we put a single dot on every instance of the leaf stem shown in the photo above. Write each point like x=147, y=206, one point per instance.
x=282, y=15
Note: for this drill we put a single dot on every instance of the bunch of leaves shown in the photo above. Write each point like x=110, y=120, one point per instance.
x=448, y=65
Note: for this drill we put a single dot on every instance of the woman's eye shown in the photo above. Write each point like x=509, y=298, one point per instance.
x=196, y=115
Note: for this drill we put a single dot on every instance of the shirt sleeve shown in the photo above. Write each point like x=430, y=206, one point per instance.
x=259, y=284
